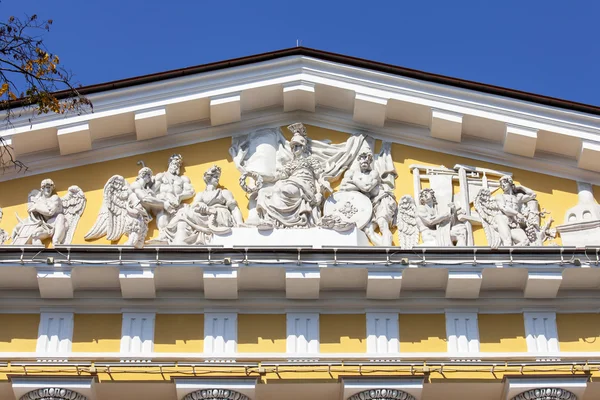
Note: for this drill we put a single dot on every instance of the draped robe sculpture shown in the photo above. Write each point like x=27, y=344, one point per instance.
x=213, y=210
x=290, y=177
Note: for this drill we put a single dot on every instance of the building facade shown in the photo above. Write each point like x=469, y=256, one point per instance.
x=301, y=224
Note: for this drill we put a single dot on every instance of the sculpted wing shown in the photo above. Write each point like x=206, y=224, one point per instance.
x=408, y=231
x=486, y=207
x=112, y=219
x=73, y=206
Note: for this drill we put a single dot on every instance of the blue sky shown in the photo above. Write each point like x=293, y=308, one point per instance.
x=547, y=47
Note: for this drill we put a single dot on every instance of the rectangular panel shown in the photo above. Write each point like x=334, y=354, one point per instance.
x=540, y=328
x=137, y=333
x=462, y=332
x=382, y=333
x=55, y=333
x=220, y=333
x=302, y=333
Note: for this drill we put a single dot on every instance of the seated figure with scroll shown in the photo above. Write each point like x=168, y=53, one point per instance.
x=366, y=180
x=294, y=201
x=213, y=211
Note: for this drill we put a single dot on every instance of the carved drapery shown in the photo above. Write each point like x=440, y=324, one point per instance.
x=546, y=394
x=215, y=394
x=54, y=393
x=382, y=394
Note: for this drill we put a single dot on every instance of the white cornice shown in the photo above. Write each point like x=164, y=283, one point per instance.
x=567, y=125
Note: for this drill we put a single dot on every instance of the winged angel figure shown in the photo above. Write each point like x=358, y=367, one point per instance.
x=50, y=216
x=408, y=230
x=122, y=213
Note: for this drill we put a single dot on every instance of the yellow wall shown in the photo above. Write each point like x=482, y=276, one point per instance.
x=179, y=333
x=422, y=333
x=346, y=333
x=554, y=194
x=97, y=332
x=578, y=332
x=19, y=332
x=502, y=333
x=261, y=333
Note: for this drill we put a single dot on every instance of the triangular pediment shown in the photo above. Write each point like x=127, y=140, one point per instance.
x=454, y=137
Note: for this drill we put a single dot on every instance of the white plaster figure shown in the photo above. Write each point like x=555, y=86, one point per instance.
x=295, y=198
x=366, y=180
x=408, y=230
x=3, y=233
x=213, y=210
x=50, y=216
x=440, y=228
x=123, y=210
x=581, y=226
x=171, y=189
x=290, y=177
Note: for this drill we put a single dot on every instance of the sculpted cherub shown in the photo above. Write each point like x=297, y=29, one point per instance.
x=123, y=210
x=50, y=216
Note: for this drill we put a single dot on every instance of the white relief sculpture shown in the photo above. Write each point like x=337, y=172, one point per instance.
x=367, y=180
x=295, y=198
x=50, y=216
x=512, y=218
x=290, y=178
x=213, y=211
x=171, y=189
x=124, y=209
x=3, y=233
x=440, y=228
x=406, y=220
x=581, y=226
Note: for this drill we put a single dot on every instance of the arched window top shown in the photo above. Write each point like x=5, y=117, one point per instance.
x=53, y=393
x=215, y=394
x=382, y=394
x=546, y=394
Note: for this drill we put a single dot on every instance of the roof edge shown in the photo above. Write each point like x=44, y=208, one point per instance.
x=333, y=57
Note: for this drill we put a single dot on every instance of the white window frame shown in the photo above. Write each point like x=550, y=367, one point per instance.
x=383, y=336
x=296, y=339
x=61, y=341
x=220, y=333
x=145, y=338
x=462, y=340
x=537, y=338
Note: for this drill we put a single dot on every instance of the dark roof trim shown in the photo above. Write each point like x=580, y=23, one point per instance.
x=342, y=59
